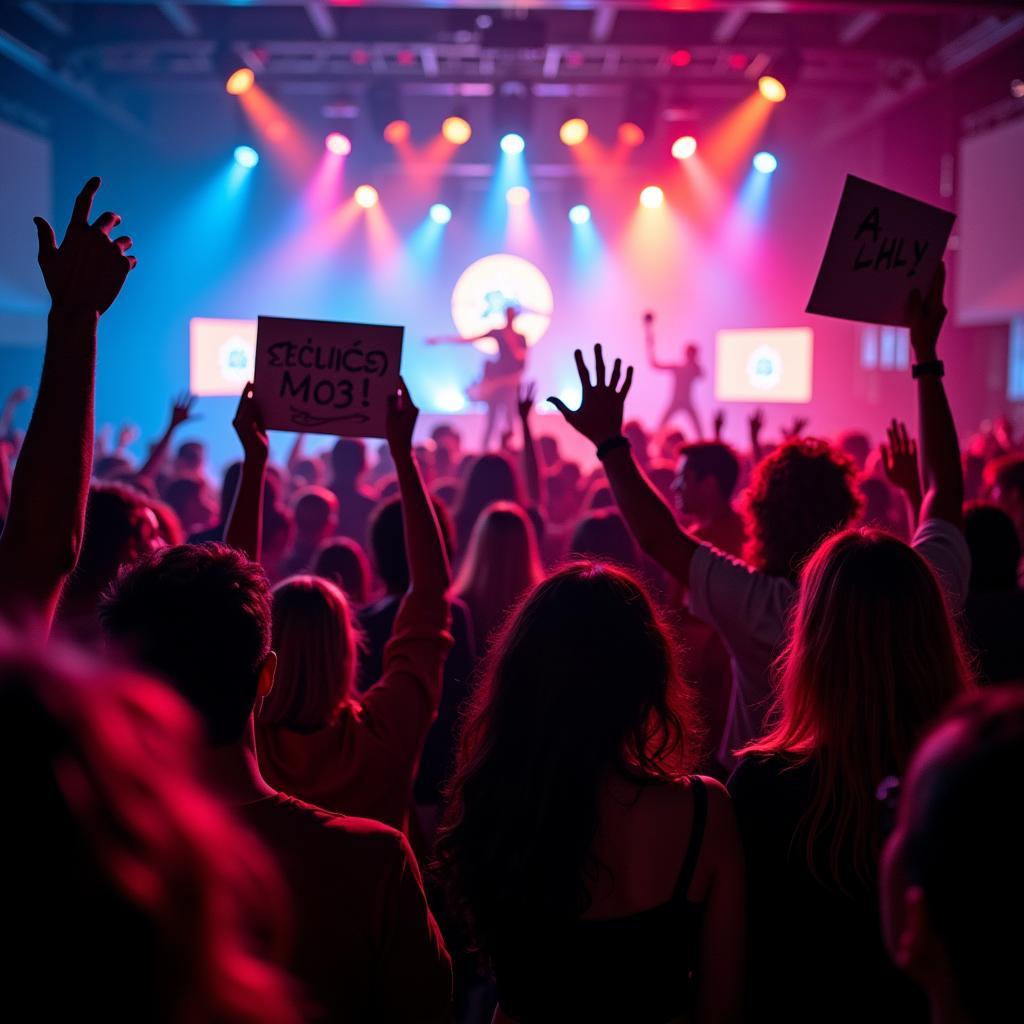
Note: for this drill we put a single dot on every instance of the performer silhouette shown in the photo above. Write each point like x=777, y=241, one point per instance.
x=686, y=374
x=498, y=387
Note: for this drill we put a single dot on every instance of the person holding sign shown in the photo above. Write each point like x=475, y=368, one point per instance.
x=498, y=388
x=686, y=374
x=315, y=739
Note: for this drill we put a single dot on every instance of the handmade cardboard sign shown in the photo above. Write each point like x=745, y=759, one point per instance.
x=323, y=377
x=883, y=245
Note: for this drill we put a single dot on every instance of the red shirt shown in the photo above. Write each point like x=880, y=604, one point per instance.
x=366, y=947
x=364, y=763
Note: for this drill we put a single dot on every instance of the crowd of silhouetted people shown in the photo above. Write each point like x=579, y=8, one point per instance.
x=685, y=733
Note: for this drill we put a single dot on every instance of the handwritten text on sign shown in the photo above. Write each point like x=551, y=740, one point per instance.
x=325, y=377
x=883, y=245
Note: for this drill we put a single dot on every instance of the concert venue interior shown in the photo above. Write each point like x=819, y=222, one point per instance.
x=609, y=99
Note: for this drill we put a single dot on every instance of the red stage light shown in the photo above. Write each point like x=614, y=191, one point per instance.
x=396, y=131
x=574, y=131
x=405, y=58
x=737, y=61
x=240, y=81
x=630, y=134
x=680, y=58
x=360, y=57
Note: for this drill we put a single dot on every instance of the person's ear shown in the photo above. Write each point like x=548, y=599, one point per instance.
x=267, y=672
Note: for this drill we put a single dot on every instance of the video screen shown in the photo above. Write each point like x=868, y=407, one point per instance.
x=764, y=364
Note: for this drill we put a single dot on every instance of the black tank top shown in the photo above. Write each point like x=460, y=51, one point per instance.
x=631, y=970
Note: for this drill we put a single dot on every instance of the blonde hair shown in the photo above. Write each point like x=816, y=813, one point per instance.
x=501, y=564
x=872, y=659
x=317, y=647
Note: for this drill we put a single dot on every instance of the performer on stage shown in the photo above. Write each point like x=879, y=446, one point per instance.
x=499, y=385
x=686, y=374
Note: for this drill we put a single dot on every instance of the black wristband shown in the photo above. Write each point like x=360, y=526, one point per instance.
x=619, y=441
x=931, y=368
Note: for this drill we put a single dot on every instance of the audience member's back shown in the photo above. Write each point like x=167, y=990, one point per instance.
x=994, y=612
x=355, y=500
x=365, y=944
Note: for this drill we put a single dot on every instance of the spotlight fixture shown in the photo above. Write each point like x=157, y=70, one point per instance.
x=385, y=109
x=246, y=156
x=640, y=112
x=574, y=130
x=684, y=147
x=456, y=130
x=652, y=197
x=512, y=144
x=631, y=134
x=580, y=214
x=517, y=195
x=366, y=196
x=765, y=162
x=240, y=81
x=440, y=213
x=779, y=77
x=338, y=144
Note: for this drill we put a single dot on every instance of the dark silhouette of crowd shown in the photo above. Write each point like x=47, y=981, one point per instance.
x=687, y=734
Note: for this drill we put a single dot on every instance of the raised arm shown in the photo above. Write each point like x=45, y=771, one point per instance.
x=899, y=460
x=429, y=572
x=14, y=399
x=531, y=467
x=244, y=528
x=46, y=520
x=940, y=447
x=756, y=421
x=599, y=419
x=181, y=412
x=296, y=453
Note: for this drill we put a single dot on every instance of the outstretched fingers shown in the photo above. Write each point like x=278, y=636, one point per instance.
x=599, y=366
x=627, y=383
x=584, y=373
x=83, y=203
x=613, y=381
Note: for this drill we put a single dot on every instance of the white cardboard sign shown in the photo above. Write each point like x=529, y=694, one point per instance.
x=883, y=245
x=323, y=377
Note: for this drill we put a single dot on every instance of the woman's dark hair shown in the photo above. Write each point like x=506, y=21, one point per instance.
x=604, y=535
x=492, y=477
x=995, y=547
x=342, y=561
x=581, y=681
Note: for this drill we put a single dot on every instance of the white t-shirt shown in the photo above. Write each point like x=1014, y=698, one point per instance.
x=750, y=610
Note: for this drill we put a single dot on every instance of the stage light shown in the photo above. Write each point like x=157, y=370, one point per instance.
x=631, y=134
x=680, y=58
x=517, y=195
x=246, y=156
x=440, y=214
x=684, y=147
x=366, y=196
x=641, y=109
x=512, y=144
x=397, y=131
x=771, y=88
x=240, y=81
x=456, y=130
x=1017, y=89
x=765, y=162
x=450, y=400
x=338, y=144
x=574, y=131
x=652, y=197
x=579, y=214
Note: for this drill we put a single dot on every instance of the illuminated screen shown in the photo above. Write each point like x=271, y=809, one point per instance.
x=486, y=287
x=763, y=365
x=222, y=355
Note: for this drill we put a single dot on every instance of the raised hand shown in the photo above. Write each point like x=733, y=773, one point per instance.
x=181, y=410
x=599, y=417
x=756, y=420
x=87, y=270
x=719, y=424
x=128, y=434
x=401, y=420
x=899, y=460
x=248, y=426
x=793, y=432
x=525, y=397
x=17, y=396
x=926, y=315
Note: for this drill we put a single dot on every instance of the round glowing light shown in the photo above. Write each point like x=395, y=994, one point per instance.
x=240, y=81
x=517, y=195
x=652, y=197
x=397, y=131
x=630, y=134
x=765, y=162
x=440, y=214
x=512, y=143
x=1017, y=89
x=456, y=130
x=246, y=156
x=684, y=147
x=450, y=400
x=366, y=196
x=338, y=144
x=579, y=214
x=574, y=131
x=771, y=89
x=487, y=287
x=680, y=58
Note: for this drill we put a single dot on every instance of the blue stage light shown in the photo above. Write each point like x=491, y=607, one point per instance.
x=512, y=144
x=765, y=162
x=440, y=214
x=246, y=156
x=579, y=214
